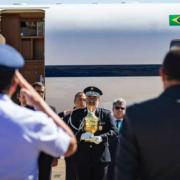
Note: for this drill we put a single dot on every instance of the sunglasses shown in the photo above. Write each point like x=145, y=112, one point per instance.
x=118, y=107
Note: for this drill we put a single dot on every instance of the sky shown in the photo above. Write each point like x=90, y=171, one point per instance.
x=81, y=1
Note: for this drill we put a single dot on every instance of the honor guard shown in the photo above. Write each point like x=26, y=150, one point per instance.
x=94, y=128
x=26, y=133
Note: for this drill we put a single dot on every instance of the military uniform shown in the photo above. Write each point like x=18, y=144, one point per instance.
x=93, y=159
x=22, y=129
x=71, y=162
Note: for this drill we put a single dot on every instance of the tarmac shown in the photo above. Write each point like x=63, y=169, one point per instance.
x=58, y=172
x=60, y=91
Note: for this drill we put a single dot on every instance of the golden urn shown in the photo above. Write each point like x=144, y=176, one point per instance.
x=91, y=123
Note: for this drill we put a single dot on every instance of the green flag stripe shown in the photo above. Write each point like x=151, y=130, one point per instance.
x=174, y=20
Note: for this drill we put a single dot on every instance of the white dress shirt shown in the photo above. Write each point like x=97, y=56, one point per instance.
x=23, y=135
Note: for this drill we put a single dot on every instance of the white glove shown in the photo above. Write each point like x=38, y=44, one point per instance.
x=87, y=136
x=97, y=139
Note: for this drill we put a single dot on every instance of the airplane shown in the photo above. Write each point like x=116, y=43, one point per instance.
x=116, y=47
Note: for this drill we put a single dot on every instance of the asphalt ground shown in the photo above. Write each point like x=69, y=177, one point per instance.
x=58, y=172
x=60, y=91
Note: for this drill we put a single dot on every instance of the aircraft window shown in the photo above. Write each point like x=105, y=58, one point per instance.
x=175, y=43
x=32, y=28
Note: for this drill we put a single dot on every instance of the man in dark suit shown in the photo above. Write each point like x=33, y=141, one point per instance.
x=119, y=110
x=149, y=141
x=94, y=129
x=71, y=162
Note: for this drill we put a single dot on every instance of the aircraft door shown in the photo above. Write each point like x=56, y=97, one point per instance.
x=24, y=30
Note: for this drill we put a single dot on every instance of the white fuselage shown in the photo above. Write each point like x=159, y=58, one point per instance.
x=109, y=33
x=105, y=35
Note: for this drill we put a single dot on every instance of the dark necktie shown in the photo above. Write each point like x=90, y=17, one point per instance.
x=118, y=124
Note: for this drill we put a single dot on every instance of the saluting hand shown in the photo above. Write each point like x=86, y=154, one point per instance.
x=35, y=100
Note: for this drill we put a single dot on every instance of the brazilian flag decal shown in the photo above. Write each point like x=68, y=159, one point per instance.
x=174, y=20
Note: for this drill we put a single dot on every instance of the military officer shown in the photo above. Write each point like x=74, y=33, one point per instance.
x=94, y=129
x=25, y=133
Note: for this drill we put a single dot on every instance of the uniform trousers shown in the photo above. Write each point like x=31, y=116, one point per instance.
x=92, y=171
x=71, y=170
x=110, y=174
x=44, y=163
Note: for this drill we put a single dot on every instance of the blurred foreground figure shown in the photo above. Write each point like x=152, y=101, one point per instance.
x=149, y=141
x=25, y=133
